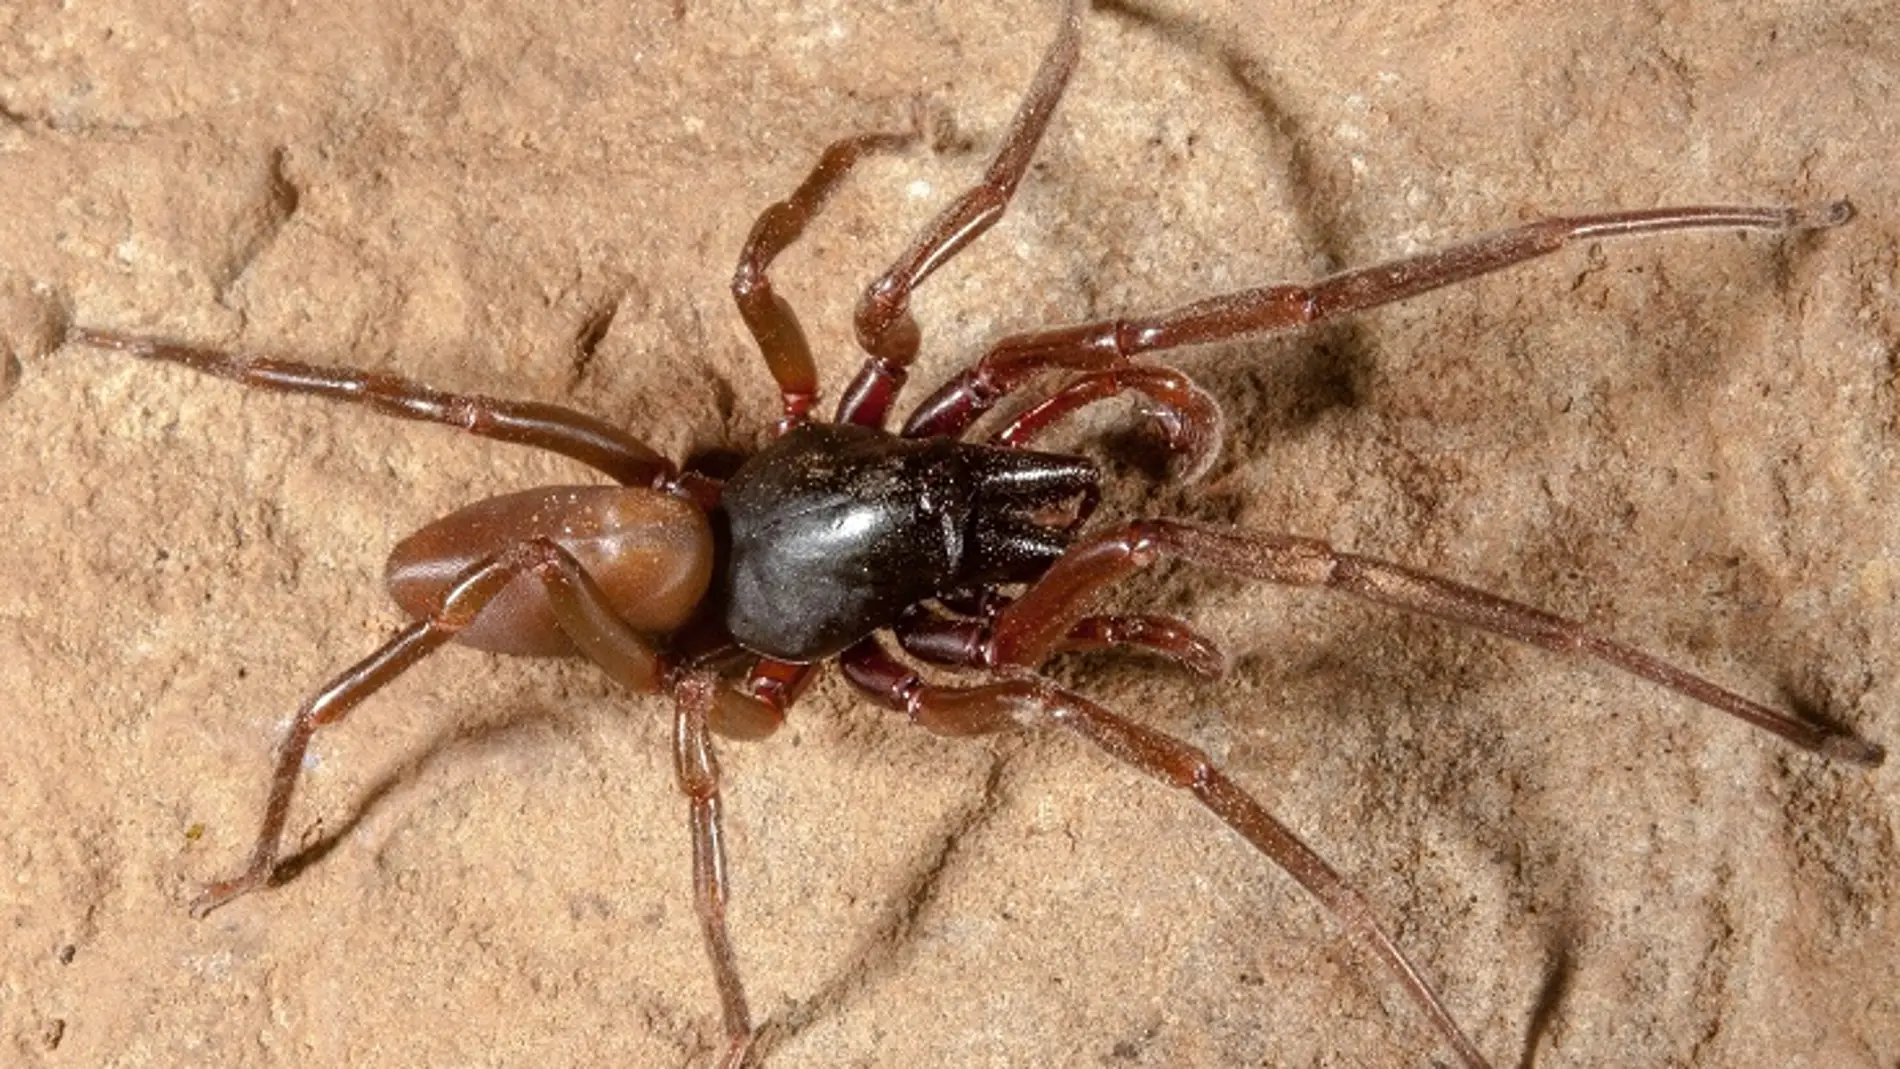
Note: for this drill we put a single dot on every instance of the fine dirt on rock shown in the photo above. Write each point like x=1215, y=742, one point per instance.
x=1693, y=442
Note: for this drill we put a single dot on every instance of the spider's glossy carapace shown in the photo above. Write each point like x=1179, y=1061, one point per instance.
x=837, y=528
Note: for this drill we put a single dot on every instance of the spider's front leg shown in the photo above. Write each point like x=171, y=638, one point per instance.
x=1107, y=348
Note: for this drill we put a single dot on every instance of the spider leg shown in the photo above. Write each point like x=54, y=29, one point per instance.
x=1165, y=635
x=591, y=441
x=1110, y=344
x=962, y=643
x=1190, y=418
x=1035, y=625
x=580, y=607
x=773, y=323
x=695, y=697
x=328, y=706
x=1015, y=703
x=885, y=328
x=775, y=685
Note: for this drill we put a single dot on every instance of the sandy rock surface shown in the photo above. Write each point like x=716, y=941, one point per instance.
x=1693, y=442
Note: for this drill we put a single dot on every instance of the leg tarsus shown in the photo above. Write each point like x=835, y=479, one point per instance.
x=216, y=895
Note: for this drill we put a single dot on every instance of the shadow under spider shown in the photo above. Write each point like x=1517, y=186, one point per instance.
x=1551, y=993
x=887, y=946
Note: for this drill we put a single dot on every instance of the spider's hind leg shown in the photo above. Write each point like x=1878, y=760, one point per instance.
x=580, y=606
x=593, y=442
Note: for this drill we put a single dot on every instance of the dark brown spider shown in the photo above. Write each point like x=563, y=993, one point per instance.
x=838, y=532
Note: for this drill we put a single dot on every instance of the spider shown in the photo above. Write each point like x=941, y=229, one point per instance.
x=977, y=557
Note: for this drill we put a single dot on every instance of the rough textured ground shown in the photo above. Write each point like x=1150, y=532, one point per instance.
x=1689, y=441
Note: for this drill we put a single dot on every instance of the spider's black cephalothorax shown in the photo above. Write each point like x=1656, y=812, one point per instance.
x=837, y=529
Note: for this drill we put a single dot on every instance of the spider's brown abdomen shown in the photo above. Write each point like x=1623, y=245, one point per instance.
x=650, y=553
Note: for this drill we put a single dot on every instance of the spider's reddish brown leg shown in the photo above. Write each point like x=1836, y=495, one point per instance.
x=1035, y=625
x=775, y=685
x=1107, y=345
x=767, y=315
x=697, y=774
x=884, y=324
x=580, y=607
x=593, y=442
x=1190, y=417
x=965, y=643
x=1161, y=634
x=1033, y=702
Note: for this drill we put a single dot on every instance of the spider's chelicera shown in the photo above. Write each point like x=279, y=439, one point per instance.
x=975, y=556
